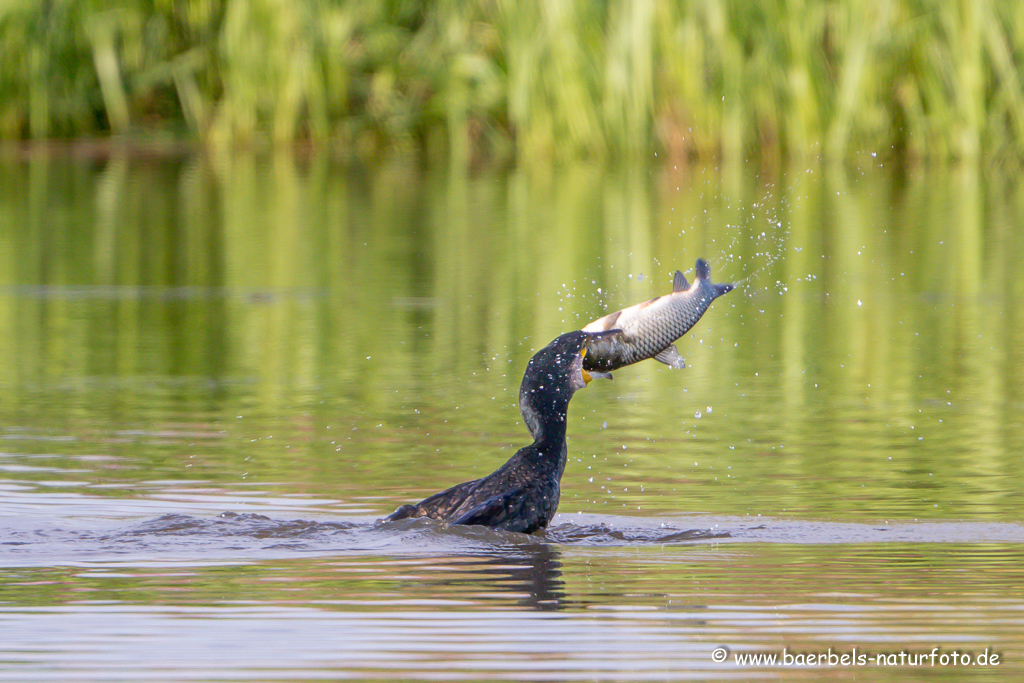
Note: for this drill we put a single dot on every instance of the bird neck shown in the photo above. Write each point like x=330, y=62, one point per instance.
x=545, y=419
x=547, y=455
x=551, y=433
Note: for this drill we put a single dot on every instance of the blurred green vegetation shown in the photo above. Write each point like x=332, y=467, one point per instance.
x=497, y=79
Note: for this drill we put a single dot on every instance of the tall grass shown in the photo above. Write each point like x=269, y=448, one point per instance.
x=528, y=78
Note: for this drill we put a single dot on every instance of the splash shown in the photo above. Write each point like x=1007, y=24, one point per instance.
x=758, y=243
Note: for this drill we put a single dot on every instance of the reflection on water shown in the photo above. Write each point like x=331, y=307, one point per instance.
x=222, y=372
x=254, y=597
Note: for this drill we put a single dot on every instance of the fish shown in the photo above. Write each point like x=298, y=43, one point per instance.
x=650, y=329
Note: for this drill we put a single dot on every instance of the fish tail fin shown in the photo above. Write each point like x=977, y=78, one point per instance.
x=703, y=270
x=718, y=289
x=723, y=288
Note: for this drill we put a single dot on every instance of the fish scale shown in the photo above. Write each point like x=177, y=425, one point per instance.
x=649, y=329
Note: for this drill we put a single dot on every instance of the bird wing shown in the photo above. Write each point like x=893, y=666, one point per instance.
x=493, y=511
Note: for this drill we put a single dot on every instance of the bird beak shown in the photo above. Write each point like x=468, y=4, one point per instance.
x=589, y=375
x=595, y=374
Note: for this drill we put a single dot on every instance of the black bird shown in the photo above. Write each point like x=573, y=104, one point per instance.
x=522, y=495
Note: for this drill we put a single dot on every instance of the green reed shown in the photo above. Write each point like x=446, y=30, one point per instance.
x=529, y=79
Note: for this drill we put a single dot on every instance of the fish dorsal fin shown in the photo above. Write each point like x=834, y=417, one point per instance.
x=703, y=270
x=679, y=282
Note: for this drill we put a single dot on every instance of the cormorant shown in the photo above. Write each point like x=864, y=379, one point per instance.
x=522, y=495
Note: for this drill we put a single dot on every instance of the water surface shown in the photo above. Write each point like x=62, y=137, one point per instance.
x=222, y=373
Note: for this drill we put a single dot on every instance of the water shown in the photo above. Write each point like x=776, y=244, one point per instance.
x=221, y=373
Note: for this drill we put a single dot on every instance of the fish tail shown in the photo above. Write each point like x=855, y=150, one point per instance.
x=703, y=270
x=723, y=288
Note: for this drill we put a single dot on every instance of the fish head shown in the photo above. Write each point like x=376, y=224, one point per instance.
x=600, y=351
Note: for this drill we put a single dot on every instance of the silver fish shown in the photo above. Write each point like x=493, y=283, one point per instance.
x=649, y=329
